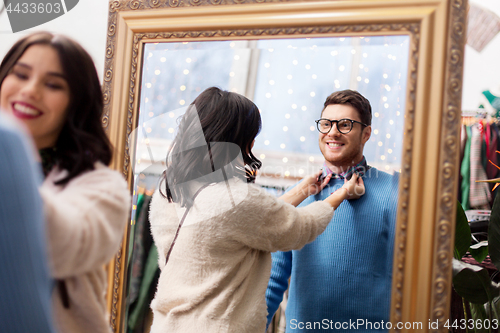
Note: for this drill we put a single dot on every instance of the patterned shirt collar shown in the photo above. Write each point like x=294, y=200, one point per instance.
x=359, y=168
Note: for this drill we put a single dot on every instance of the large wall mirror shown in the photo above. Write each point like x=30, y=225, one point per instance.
x=406, y=57
x=288, y=79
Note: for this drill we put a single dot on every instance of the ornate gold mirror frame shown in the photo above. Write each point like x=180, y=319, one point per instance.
x=425, y=228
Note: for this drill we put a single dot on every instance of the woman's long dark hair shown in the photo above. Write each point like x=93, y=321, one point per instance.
x=216, y=131
x=82, y=141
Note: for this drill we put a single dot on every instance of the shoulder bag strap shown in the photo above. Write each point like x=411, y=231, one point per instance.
x=182, y=221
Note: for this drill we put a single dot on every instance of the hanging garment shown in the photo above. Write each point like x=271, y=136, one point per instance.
x=141, y=247
x=146, y=292
x=463, y=141
x=465, y=172
x=492, y=170
x=134, y=259
x=487, y=140
x=479, y=196
x=484, y=145
x=138, y=205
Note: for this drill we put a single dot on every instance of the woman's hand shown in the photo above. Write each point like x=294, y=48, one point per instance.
x=352, y=189
x=308, y=186
x=313, y=185
x=355, y=187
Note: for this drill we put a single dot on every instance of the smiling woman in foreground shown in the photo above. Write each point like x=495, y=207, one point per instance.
x=49, y=83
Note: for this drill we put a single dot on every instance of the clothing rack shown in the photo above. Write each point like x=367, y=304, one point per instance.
x=475, y=113
x=480, y=115
x=141, y=187
x=480, y=139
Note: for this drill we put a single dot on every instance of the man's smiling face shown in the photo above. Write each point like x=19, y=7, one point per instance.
x=343, y=150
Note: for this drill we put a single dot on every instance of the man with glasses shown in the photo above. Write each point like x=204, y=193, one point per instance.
x=342, y=280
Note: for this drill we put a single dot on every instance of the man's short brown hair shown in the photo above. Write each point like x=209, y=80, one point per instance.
x=354, y=99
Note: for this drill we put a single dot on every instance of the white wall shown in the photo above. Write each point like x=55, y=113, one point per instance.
x=481, y=70
x=86, y=23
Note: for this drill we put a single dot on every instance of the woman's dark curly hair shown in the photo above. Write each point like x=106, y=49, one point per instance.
x=213, y=143
x=82, y=141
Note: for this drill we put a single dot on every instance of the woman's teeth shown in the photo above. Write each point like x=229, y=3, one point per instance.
x=26, y=109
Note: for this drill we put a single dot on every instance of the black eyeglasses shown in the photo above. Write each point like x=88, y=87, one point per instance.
x=344, y=126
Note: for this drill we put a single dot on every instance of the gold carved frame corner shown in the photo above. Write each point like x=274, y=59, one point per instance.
x=427, y=195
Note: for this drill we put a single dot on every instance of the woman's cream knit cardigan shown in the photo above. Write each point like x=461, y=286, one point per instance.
x=85, y=223
x=217, y=274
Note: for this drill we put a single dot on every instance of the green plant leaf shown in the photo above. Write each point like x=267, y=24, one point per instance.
x=478, y=313
x=479, y=251
x=494, y=233
x=462, y=233
x=473, y=283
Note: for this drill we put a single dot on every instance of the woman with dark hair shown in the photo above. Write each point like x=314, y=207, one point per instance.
x=215, y=231
x=50, y=84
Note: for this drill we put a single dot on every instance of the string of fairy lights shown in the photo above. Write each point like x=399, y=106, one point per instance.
x=288, y=79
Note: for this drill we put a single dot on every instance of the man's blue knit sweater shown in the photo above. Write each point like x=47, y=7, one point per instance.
x=342, y=280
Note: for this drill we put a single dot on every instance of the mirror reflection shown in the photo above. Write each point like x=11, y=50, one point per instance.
x=289, y=80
